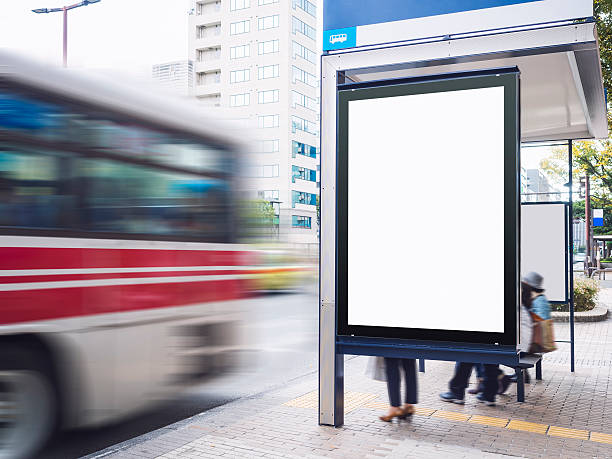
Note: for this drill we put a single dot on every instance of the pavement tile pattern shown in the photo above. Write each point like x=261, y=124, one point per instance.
x=567, y=415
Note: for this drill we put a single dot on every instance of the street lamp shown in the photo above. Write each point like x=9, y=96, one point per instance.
x=65, y=10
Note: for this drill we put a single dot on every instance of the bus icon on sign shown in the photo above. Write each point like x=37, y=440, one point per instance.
x=339, y=38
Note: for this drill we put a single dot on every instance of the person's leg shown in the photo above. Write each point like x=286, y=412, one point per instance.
x=460, y=380
x=480, y=374
x=458, y=384
x=480, y=371
x=393, y=381
x=410, y=373
x=491, y=385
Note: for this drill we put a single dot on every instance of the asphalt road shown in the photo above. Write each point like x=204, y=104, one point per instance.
x=283, y=330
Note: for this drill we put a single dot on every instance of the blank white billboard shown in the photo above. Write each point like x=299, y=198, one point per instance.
x=426, y=211
x=543, y=246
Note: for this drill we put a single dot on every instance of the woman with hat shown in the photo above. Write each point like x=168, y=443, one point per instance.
x=533, y=302
x=532, y=295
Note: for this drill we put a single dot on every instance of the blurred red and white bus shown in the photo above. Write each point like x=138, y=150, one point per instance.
x=120, y=278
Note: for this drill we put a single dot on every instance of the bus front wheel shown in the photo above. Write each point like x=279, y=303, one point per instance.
x=28, y=405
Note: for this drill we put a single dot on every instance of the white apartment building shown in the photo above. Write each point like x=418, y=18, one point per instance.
x=175, y=77
x=258, y=58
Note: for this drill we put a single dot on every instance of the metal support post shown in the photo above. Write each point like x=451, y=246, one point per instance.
x=571, y=251
x=331, y=370
x=538, y=367
x=520, y=385
x=331, y=363
x=422, y=365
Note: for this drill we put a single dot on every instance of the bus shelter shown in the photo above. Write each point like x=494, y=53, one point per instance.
x=423, y=113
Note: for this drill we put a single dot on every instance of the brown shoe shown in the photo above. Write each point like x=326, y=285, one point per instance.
x=394, y=412
x=407, y=411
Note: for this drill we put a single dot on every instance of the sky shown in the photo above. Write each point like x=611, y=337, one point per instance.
x=126, y=36
x=123, y=35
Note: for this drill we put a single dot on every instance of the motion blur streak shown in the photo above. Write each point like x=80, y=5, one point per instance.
x=121, y=278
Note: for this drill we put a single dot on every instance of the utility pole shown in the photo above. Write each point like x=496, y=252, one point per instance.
x=65, y=41
x=65, y=9
x=587, y=219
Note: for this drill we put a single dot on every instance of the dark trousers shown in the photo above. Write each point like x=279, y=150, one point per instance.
x=461, y=379
x=392, y=368
x=480, y=373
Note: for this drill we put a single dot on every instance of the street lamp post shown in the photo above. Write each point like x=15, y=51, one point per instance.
x=65, y=9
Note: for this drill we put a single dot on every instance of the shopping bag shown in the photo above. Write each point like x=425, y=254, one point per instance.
x=543, y=336
x=376, y=369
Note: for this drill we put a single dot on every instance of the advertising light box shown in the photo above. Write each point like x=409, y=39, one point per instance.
x=427, y=208
x=544, y=242
x=350, y=23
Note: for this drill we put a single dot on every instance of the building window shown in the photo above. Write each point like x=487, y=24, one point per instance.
x=208, y=30
x=238, y=52
x=267, y=47
x=240, y=100
x=300, y=197
x=304, y=77
x=303, y=28
x=267, y=71
x=303, y=52
x=267, y=2
x=204, y=78
x=236, y=28
x=207, y=8
x=302, y=173
x=299, y=221
x=306, y=6
x=268, y=97
x=238, y=76
x=209, y=54
x=299, y=148
x=269, y=146
x=267, y=171
x=239, y=4
x=268, y=121
x=304, y=101
x=268, y=195
x=268, y=22
x=300, y=124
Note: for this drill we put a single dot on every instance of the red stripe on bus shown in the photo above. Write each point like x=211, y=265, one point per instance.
x=48, y=304
x=73, y=258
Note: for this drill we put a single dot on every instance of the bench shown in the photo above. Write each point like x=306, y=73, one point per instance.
x=598, y=271
x=458, y=352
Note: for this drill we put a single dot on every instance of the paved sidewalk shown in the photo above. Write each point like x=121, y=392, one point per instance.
x=565, y=416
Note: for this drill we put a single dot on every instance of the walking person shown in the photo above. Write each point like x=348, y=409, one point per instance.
x=460, y=381
x=392, y=370
x=532, y=296
x=535, y=314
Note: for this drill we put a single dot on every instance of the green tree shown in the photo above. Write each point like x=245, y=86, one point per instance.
x=260, y=218
x=603, y=18
x=592, y=158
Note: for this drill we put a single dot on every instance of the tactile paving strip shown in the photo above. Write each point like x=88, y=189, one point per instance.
x=354, y=400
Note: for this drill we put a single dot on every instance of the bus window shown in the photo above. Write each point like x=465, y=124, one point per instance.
x=35, y=189
x=98, y=130
x=58, y=191
x=127, y=198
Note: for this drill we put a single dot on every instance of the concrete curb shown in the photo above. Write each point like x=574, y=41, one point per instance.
x=597, y=314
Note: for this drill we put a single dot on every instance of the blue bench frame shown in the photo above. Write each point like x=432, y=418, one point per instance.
x=445, y=351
